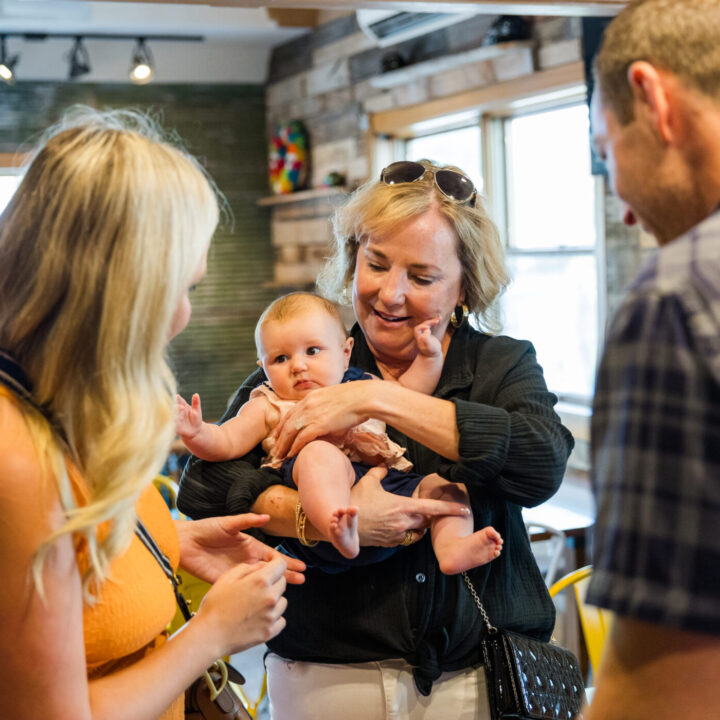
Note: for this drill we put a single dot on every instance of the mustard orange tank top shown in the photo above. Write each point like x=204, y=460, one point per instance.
x=136, y=602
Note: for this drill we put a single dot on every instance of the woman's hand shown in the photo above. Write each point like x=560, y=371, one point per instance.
x=385, y=519
x=212, y=546
x=321, y=412
x=244, y=607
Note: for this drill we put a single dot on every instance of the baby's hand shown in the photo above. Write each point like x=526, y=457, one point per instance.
x=189, y=417
x=427, y=343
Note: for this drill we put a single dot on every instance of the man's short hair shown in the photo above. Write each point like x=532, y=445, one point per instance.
x=679, y=36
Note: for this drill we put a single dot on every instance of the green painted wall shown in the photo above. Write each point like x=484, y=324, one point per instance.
x=224, y=126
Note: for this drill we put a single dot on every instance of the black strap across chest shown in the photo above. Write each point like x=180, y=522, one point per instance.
x=13, y=376
x=149, y=542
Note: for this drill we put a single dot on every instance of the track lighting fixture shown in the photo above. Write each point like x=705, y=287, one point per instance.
x=7, y=63
x=79, y=60
x=142, y=68
x=141, y=64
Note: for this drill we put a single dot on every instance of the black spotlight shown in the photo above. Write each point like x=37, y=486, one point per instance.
x=7, y=63
x=79, y=60
x=141, y=65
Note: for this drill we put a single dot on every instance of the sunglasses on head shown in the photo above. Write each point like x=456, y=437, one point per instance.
x=450, y=183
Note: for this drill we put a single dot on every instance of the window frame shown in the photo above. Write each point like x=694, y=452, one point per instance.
x=494, y=171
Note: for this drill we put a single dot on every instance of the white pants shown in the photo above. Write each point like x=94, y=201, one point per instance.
x=382, y=690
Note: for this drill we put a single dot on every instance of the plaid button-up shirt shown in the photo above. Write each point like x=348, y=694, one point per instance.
x=656, y=442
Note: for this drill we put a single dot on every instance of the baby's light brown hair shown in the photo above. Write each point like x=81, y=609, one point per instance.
x=289, y=306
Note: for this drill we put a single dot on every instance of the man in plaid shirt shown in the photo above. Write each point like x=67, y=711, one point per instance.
x=656, y=420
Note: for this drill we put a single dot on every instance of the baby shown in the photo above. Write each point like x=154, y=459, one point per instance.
x=302, y=345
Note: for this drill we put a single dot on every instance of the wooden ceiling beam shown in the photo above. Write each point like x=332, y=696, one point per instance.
x=489, y=7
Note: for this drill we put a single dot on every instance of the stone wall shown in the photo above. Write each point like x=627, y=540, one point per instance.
x=327, y=79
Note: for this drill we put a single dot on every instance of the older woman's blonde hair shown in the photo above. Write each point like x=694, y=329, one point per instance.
x=377, y=209
x=97, y=246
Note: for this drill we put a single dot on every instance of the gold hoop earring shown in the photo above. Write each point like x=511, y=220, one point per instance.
x=461, y=312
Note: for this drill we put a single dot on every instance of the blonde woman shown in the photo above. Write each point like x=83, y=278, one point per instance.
x=105, y=235
x=399, y=638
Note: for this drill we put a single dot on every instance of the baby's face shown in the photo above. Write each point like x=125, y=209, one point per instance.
x=303, y=353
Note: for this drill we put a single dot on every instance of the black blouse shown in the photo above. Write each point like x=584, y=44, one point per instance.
x=513, y=451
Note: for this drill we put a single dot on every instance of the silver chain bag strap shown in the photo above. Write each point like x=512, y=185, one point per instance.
x=528, y=679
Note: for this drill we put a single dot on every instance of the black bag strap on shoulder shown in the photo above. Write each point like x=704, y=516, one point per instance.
x=14, y=377
x=149, y=542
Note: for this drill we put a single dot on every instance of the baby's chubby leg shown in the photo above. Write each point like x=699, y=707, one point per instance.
x=456, y=546
x=324, y=475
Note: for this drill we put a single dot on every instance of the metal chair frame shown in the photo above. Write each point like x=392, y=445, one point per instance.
x=595, y=621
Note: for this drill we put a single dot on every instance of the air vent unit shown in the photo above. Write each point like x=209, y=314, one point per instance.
x=388, y=27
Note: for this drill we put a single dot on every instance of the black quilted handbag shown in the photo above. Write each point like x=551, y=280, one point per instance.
x=529, y=679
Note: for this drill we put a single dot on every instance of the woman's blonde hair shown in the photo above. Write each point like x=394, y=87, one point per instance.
x=97, y=246
x=377, y=209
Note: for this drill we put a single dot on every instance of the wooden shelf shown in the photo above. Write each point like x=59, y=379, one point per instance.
x=448, y=62
x=303, y=196
x=399, y=121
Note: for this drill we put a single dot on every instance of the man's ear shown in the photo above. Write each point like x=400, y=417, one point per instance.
x=649, y=89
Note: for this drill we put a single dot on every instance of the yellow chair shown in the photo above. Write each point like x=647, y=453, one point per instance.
x=194, y=589
x=595, y=621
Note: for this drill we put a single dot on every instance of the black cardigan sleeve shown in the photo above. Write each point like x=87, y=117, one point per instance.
x=512, y=442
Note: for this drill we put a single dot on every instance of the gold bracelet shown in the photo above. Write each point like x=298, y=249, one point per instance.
x=300, y=520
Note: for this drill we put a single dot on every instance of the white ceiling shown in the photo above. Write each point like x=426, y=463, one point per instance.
x=74, y=16
x=236, y=49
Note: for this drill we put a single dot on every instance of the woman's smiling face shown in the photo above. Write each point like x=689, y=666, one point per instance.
x=404, y=278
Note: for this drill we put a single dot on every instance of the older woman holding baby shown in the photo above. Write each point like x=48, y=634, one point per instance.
x=399, y=638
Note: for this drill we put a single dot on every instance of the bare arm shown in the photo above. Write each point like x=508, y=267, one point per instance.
x=338, y=407
x=499, y=432
x=143, y=690
x=653, y=672
x=234, y=438
x=42, y=639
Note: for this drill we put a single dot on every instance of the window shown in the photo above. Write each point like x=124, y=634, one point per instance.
x=9, y=180
x=549, y=225
x=458, y=146
x=535, y=165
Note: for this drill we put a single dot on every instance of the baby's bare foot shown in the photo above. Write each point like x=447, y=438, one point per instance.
x=344, y=531
x=468, y=552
